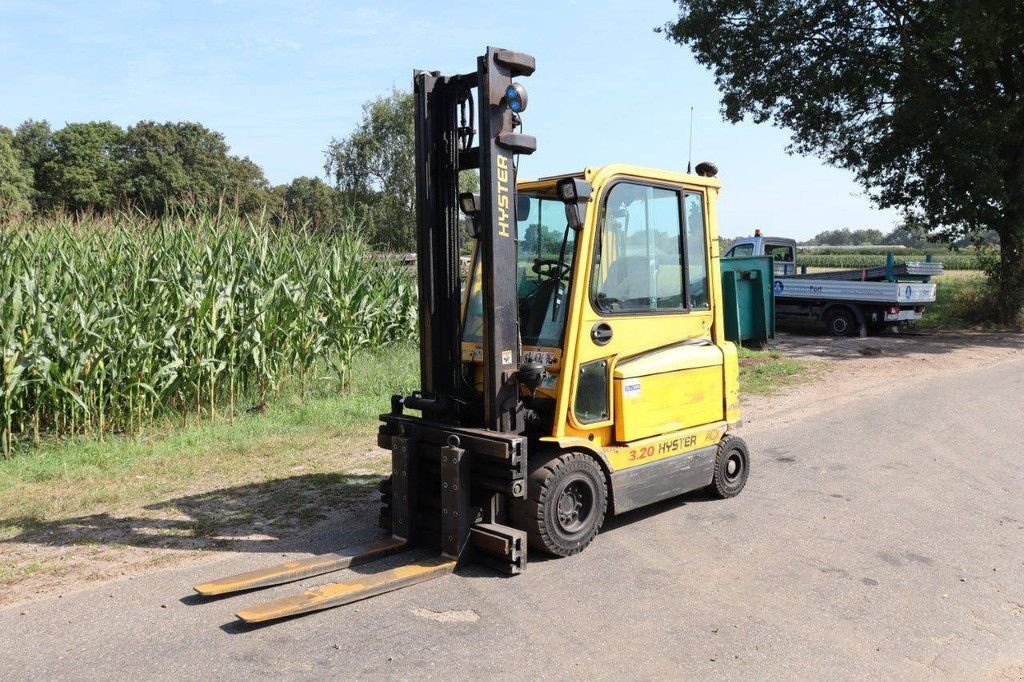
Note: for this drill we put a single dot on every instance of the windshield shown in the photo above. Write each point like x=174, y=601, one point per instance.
x=546, y=247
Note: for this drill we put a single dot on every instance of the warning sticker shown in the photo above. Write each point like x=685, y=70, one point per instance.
x=631, y=388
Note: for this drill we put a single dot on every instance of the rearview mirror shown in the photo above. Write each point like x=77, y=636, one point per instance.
x=522, y=208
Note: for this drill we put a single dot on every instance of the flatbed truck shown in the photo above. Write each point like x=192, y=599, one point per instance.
x=849, y=302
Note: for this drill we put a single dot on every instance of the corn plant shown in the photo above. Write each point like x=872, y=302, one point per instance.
x=109, y=324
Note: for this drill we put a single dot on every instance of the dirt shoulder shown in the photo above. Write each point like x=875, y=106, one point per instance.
x=337, y=478
x=855, y=368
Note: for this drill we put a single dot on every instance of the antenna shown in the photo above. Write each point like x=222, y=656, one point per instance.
x=689, y=155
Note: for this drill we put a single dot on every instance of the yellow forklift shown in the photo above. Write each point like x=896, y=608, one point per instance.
x=580, y=370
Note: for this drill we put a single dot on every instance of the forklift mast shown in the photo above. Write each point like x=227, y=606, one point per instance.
x=445, y=132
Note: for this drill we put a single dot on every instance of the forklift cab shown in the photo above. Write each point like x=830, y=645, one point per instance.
x=620, y=313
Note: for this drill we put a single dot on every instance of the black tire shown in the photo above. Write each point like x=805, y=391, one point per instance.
x=732, y=468
x=841, y=322
x=566, y=504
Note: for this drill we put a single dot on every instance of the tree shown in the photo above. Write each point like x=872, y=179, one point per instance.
x=33, y=139
x=165, y=164
x=15, y=178
x=911, y=234
x=243, y=185
x=847, y=237
x=375, y=168
x=923, y=101
x=83, y=172
x=312, y=202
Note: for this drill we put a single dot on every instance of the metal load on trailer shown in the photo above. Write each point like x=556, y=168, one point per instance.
x=890, y=272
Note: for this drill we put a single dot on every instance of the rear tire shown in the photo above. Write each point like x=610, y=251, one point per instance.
x=732, y=467
x=567, y=502
x=841, y=322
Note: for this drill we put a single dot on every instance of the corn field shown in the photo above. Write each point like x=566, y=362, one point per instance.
x=108, y=325
x=950, y=261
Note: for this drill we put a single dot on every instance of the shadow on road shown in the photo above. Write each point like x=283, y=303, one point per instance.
x=244, y=518
x=798, y=341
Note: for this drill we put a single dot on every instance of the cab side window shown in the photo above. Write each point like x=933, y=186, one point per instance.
x=740, y=251
x=780, y=253
x=696, y=256
x=639, y=262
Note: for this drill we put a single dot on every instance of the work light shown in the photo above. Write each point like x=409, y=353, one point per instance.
x=574, y=193
x=469, y=203
x=515, y=94
x=571, y=190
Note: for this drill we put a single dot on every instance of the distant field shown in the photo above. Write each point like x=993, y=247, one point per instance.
x=950, y=261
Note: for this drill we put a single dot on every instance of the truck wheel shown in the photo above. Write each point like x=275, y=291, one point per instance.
x=732, y=467
x=568, y=498
x=841, y=322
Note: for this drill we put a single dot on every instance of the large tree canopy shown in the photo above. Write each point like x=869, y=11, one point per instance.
x=168, y=163
x=922, y=99
x=82, y=173
x=98, y=166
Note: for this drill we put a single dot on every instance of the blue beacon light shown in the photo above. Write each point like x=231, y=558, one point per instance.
x=516, y=96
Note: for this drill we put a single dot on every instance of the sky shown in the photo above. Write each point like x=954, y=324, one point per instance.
x=280, y=79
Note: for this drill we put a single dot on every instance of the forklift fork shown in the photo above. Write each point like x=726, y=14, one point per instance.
x=504, y=546
x=291, y=571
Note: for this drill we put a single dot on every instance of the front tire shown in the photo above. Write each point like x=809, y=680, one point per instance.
x=568, y=499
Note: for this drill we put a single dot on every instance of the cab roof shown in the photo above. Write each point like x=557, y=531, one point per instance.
x=597, y=175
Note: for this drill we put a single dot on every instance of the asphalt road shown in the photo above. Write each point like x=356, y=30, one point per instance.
x=881, y=538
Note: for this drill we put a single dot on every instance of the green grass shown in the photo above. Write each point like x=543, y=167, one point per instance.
x=963, y=299
x=314, y=436
x=765, y=372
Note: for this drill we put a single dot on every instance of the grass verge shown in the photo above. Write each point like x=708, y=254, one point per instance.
x=765, y=372
x=321, y=435
x=318, y=437
x=963, y=299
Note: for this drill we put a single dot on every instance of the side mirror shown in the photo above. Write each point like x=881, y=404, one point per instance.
x=522, y=208
x=575, y=194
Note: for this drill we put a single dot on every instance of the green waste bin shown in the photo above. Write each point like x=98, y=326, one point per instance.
x=749, y=310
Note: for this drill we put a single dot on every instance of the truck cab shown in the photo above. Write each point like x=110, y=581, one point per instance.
x=781, y=250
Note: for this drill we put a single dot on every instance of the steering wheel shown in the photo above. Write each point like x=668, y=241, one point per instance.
x=606, y=302
x=551, y=269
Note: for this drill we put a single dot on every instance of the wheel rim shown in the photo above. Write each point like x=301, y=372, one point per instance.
x=840, y=325
x=734, y=467
x=575, y=505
